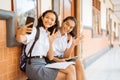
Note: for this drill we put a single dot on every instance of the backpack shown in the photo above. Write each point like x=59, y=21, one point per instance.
x=23, y=57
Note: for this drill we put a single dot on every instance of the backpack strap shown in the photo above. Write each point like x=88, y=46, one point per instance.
x=36, y=38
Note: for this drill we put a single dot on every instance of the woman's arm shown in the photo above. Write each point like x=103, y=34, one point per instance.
x=50, y=54
x=68, y=51
x=75, y=42
x=58, y=59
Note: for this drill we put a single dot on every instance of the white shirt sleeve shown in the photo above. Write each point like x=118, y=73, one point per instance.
x=30, y=37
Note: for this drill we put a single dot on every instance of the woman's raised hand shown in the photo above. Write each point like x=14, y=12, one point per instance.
x=52, y=36
x=24, y=29
x=77, y=40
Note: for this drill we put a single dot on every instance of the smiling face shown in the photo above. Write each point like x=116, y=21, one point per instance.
x=67, y=26
x=49, y=20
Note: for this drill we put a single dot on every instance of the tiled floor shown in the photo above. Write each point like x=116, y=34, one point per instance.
x=106, y=67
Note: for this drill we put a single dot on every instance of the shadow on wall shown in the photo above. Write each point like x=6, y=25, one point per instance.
x=9, y=16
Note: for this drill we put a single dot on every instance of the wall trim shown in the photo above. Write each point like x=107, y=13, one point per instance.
x=9, y=16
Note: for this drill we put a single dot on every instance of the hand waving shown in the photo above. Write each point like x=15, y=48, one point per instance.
x=77, y=40
x=52, y=36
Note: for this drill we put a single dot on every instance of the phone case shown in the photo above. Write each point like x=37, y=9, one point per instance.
x=29, y=20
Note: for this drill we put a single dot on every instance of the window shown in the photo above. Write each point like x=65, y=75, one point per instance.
x=24, y=8
x=96, y=9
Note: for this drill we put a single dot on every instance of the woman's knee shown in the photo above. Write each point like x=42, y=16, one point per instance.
x=71, y=69
x=78, y=62
x=69, y=72
x=79, y=65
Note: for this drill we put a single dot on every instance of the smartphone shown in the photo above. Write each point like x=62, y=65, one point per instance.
x=51, y=30
x=29, y=20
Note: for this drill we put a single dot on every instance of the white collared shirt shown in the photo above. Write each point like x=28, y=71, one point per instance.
x=60, y=44
x=41, y=46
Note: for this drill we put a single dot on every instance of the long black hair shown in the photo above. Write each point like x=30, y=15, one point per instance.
x=72, y=33
x=40, y=22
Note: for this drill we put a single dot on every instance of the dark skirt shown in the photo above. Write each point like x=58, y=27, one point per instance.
x=37, y=70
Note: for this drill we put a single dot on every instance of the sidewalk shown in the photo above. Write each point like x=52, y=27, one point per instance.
x=106, y=67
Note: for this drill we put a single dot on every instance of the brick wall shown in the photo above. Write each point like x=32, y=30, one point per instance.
x=9, y=58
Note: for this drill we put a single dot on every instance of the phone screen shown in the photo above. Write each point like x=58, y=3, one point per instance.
x=29, y=20
x=51, y=30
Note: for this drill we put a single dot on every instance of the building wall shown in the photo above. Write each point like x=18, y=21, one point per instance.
x=5, y=4
x=92, y=45
x=9, y=56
